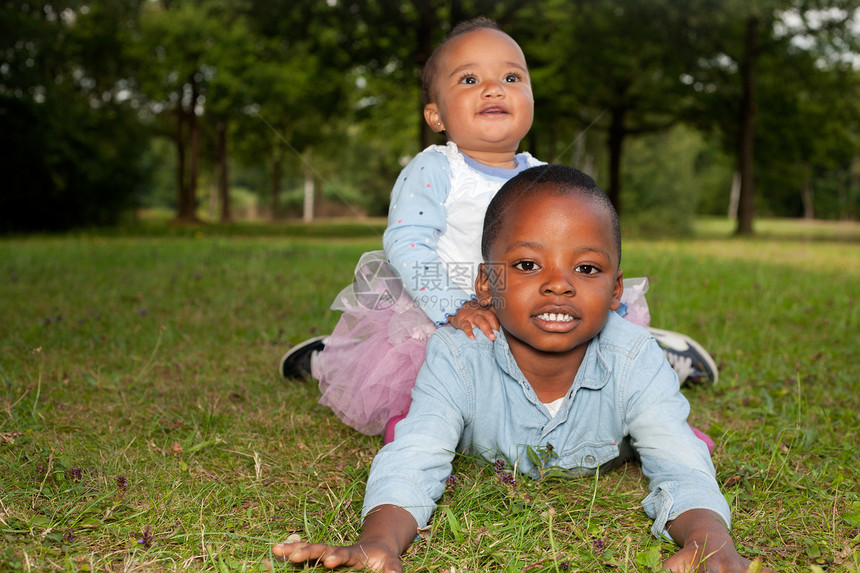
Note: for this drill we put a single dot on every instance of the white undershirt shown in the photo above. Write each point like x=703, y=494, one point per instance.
x=554, y=406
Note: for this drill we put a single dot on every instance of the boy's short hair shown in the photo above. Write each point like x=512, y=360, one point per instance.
x=543, y=178
x=432, y=64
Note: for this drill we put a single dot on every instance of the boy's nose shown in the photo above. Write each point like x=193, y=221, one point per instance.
x=558, y=282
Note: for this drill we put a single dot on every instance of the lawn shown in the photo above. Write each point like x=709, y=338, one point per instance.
x=144, y=426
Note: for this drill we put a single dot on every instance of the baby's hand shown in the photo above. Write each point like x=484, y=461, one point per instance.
x=375, y=557
x=472, y=315
x=693, y=558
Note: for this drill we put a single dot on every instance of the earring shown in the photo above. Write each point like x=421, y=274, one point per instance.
x=438, y=123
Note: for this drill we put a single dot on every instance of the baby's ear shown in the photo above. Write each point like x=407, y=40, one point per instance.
x=432, y=117
x=483, y=290
x=617, y=291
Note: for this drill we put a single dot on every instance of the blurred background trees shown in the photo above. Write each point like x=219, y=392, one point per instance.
x=235, y=109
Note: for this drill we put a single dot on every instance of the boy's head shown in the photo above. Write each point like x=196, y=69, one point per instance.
x=552, y=250
x=477, y=90
x=542, y=179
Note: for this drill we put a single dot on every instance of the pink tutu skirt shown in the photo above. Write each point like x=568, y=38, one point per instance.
x=369, y=365
x=370, y=362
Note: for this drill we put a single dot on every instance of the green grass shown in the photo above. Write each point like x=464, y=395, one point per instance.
x=143, y=425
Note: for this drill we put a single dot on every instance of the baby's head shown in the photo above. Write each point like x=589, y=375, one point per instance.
x=552, y=250
x=431, y=67
x=476, y=88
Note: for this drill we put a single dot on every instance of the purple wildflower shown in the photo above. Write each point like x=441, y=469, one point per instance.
x=499, y=466
x=147, y=538
x=508, y=478
x=121, y=483
x=74, y=473
x=599, y=545
x=69, y=535
x=451, y=483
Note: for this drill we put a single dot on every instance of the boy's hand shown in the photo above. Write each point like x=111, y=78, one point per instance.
x=375, y=557
x=472, y=315
x=693, y=558
x=387, y=532
x=707, y=546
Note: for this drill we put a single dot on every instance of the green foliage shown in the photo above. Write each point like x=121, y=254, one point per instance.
x=90, y=91
x=71, y=142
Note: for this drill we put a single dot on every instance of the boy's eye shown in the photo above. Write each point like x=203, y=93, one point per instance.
x=587, y=269
x=510, y=78
x=527, y=266
x=467, y=79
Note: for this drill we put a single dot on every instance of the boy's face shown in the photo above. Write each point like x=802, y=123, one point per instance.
x=553, y=275
x=482, y=94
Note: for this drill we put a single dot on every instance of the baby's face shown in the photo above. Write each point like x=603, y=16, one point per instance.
x=482, y=93
x=554, y=273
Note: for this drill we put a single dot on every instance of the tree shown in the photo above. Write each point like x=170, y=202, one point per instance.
x=181, y=47
x=610, y=65
x=70, y=142
x=739, y=41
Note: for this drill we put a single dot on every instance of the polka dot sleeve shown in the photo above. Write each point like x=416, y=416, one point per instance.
x=416, y=219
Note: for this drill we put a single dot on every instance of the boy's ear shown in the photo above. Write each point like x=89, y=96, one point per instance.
x=432, y=117
x=483, y=290
x=617, y=291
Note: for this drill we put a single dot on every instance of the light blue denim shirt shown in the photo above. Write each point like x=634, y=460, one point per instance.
x=471, y=397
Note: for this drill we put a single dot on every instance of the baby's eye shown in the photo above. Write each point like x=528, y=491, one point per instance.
x=587, y=269
x=468, y=79
x=510, y=78
x=527, y=266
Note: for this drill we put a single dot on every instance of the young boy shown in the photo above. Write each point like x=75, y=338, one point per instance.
x=563, y=370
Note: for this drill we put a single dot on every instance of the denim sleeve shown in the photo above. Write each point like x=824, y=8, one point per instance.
x=416, y=219
x=677, y=464
x=411, y=471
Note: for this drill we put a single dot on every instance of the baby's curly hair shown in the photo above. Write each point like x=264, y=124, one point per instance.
x=432, y=66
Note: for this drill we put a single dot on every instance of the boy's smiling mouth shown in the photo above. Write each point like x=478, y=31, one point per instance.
x=555, y=317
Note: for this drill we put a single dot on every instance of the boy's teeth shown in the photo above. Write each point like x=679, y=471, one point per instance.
x=553, y=317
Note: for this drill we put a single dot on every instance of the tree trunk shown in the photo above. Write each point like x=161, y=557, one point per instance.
x=734, y=196
x=194, y=162
x=277, y=166
x=806, y=197
x=746, y=144
x=616, y=143
x=846, y=208
x=181, y=190
x=427, y=22
x=308, y=207
x=223, y=172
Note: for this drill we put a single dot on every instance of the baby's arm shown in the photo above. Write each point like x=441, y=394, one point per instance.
x=387, y=531
x=416, y=220
x=704, y=540
x=472, y=315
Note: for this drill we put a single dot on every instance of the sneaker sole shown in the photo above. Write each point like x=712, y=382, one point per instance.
x=706, y=356
x=296, y=349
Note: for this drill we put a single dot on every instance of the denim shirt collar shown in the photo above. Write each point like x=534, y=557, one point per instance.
x=594, y=372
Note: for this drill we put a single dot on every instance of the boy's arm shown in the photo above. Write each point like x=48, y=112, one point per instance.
x=409, y=472
x=387, y=531
x=704, y=540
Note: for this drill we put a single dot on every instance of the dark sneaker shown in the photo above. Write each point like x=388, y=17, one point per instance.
x=297, y=362
x=688, y=359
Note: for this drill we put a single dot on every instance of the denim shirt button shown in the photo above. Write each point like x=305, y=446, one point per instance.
x=589, y=460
